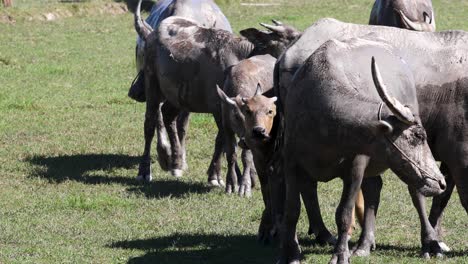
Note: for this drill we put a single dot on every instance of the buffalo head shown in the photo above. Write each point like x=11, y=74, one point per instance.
x=273, y=41
x=405, y=143
x=253, y=115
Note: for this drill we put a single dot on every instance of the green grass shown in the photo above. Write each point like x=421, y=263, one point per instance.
x=70, y=141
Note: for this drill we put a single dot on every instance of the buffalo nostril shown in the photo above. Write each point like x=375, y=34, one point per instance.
x=442, y=185
x=427, y=18
x=259, y=131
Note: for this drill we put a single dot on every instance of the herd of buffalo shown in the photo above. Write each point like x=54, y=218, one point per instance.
x=336, y=100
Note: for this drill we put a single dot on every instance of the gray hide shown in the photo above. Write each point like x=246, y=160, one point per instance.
x=335, y=124
x=183, y=64
x=413, y=15
x=440, y=61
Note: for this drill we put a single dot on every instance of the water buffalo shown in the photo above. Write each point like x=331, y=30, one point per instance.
x=241, y=81
x=439, y=77
x=184, y=61
x=414, y=15
x=252, y=115
x=336, y=121
x=205, y=12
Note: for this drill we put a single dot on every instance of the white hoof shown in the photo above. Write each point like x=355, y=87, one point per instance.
x=444, y=247
x=221, y=183
x=214, y=183
x=144, y=178
x=177, y=173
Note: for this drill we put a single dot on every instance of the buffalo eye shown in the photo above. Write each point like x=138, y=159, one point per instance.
x=270, y=112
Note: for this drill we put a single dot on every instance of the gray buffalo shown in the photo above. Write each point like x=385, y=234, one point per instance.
x=351, y=122
x=205, y=12
x=183, y=64
x=414, y=15
x=441, y=83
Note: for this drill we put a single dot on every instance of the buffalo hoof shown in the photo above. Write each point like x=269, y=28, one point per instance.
x=340, y=258
x=363, y=249
x=177, y=173
x=144, y=178
x=232, y=188
x=324, y=238
x=293, y=256
x=245, y=190
x=216, y=183
x=434, y=248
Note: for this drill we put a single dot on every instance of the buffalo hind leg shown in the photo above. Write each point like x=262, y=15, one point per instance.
x=153, y=120
x=351, y=185
x=182, y=128
x=231, y=156
x=371, y=188
x=170, y=116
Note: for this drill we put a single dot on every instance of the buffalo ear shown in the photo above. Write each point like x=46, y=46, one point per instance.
x=382, y=128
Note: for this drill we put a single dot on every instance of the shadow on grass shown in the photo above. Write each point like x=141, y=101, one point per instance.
x=199, y=248
x=80, y=168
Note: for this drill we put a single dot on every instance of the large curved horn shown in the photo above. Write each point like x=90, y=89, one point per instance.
x=141, y=27
x=276, y=22
x=278, y=29
x=402, y=112
x=418, y=26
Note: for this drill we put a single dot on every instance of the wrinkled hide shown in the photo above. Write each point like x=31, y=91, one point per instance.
x=333, y=127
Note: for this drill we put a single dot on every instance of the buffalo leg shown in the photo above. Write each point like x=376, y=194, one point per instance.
x=153, y=120
x=316, y=224
x=245, y=188
x=460, y=177
x=214, y=170
x=231, y=156
x=265, y=230
x=351, y=186
x=429, y=237
x=371, y=188
x=290, y=250
x=170, y=116
x=182, y=128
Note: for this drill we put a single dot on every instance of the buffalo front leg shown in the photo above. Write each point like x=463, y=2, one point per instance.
x=371, y=188
x=170, y=116
x=429, y=237
x=290, y=250
x=316, y=224
x=231, y=156
x=214, y=170
x=351, y=186
x=245, y=188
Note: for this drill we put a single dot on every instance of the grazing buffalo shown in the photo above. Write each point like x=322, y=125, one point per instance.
x=351, y=122
x=439, y=63
x=205, y=12
x=413, y=15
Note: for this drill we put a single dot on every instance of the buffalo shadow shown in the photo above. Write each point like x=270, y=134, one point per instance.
x=79, y=168
x=199, y=248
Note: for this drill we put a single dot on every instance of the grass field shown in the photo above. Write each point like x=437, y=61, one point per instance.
x=70, y=141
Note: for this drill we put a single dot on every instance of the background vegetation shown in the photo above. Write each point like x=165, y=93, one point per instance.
x=70, y=141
